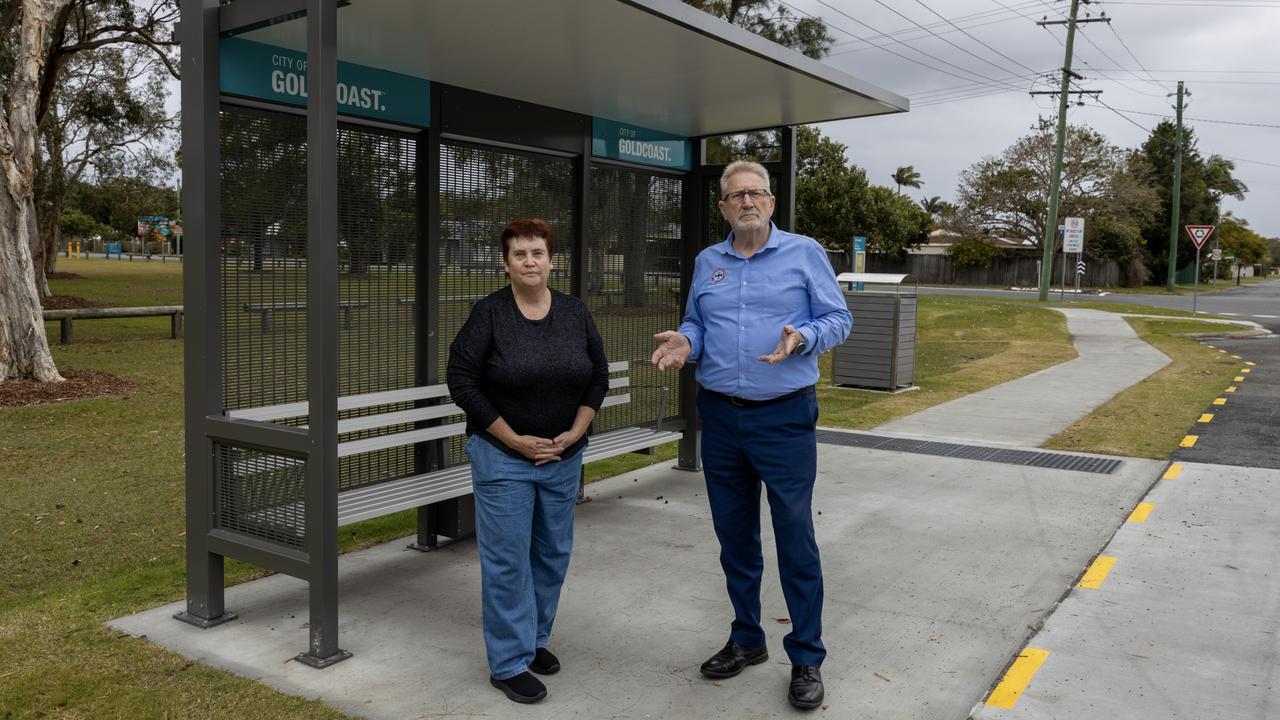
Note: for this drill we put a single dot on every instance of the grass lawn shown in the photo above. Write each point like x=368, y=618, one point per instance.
x=1150, y=418
x=93, y=502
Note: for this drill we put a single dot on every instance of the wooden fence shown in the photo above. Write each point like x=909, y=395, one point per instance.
x=1003, y=272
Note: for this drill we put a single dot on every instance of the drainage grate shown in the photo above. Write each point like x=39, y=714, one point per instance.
x=1032, y=458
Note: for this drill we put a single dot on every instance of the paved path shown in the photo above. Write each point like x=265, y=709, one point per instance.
x=1184, y=626
x=937, y=570
x=1028, y=411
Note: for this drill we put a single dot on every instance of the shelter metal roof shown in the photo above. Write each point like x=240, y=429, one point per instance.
x=658, y=64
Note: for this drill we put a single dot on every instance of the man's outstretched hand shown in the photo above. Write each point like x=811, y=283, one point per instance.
x=673, y=350
x=787, y=344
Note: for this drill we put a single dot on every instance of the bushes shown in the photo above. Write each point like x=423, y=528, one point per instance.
x=973, y=253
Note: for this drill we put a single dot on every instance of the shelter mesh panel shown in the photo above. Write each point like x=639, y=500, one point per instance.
x=261, y=494
x=633, y=283
x=481, y=190
x=264, y=269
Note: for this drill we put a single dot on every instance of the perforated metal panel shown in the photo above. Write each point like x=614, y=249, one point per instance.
x=261, y=494
x=481, y=190
x=264, y=271
x=633, y=283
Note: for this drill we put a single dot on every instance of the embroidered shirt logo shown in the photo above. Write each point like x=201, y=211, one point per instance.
x=718, y=275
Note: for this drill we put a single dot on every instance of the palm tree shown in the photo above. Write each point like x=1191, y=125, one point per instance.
x=931, y=205
x=907, y=176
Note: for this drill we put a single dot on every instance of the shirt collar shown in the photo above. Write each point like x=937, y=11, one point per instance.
x=726, y=247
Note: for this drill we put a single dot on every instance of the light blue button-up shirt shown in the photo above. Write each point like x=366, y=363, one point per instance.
x=738, y=305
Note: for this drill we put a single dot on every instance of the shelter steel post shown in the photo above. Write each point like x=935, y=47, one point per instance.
x=321, y=495
x=695, y=223
x=785, y=215
x=426, y=316
x=203, y=375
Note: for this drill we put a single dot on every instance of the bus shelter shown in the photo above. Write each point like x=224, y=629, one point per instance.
x=347, y=168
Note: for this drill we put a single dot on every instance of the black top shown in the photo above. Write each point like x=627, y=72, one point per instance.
x=532, y=373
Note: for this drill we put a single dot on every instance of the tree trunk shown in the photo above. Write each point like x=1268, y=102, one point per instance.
x=635, y=238
x=24, y=348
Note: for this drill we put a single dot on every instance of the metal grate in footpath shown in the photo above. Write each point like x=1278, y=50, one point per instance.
x=1030, y=458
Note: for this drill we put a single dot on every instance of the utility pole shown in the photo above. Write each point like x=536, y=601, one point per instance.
x=1176, y=205
x=1051, y=229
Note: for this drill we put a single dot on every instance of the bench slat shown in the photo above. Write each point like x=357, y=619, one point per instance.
x=268, y=413
x=355, y=447
x=403, y=494
x=400, y=417
x=625, y=440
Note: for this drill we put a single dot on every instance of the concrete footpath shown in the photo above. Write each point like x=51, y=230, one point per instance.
x=1179, y=616
x=937, y=571
x=1028, y=411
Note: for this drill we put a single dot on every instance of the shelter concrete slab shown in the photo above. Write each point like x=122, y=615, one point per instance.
x=1030, y=410
x=935, y=568
x=1185, y=624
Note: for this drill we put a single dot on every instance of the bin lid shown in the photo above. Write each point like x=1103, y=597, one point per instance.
x=875, y=278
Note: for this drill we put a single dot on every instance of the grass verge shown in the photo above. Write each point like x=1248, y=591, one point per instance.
x=1150, y=418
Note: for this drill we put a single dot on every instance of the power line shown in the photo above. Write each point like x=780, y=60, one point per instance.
x=1207, y=120
x=969, y=77
x=971, y=37
x=1126, y=117
x=1129, y=50
x=992, y=17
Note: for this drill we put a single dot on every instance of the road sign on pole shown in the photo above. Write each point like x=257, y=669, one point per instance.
x=1080, y=268
x=1199, y=233
x=1073, y=235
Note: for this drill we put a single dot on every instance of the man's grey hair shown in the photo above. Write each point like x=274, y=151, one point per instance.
x=743, y=166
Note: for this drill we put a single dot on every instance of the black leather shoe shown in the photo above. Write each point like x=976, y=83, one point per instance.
x=806, y=687
x=544, y=663
x=523, y=688
x=733, y=659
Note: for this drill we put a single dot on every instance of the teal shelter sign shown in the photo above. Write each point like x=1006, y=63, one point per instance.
x=276, y=74
x=620, y=141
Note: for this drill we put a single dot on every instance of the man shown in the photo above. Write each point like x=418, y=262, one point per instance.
x=763, y=305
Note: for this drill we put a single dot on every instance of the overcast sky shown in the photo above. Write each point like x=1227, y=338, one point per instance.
x=1227, y=52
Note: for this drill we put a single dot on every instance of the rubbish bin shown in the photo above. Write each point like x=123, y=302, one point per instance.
x=880, y=352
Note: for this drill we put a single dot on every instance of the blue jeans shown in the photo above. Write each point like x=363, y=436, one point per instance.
x=775, y=445
x=524, y=528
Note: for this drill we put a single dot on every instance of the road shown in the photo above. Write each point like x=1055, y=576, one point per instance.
x=1259, y=302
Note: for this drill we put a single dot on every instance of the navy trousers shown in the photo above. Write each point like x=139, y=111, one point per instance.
x=775, y=445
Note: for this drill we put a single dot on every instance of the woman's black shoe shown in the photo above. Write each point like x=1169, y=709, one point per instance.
x=523, y=688
x=544, y=663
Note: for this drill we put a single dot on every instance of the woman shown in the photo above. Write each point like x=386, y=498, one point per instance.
x=528, y=369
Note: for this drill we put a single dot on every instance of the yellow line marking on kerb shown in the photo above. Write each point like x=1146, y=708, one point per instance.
x=1220, y=401
x=1173, y=472
x=1246, y=371
x=1206, y=417
x=1141, y=512
x=1238, y=378
x=1224, y=352
x=1017, y=678
x=1231, y=389
x=1250, y=364
x=1097, y=572
x=1237, y=357
x=1189, y=441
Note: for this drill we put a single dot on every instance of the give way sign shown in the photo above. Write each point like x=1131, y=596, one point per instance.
x=1199, y=233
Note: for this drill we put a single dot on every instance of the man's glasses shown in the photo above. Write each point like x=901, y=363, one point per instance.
x=756, y=194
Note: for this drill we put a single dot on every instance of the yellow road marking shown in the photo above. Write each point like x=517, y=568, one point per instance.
x=1206, y=417
x=1215, y=347
x=1237, y=357
x=1224, y=352
x=1017, y=678
x=1220, y=401
x=1238, y=378
x=1097, y=572
x=1173, y=472
x=1250, y=364
x=1231, y=389
x=1246, y=371
x=1189, y=441
x=1141, y=512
